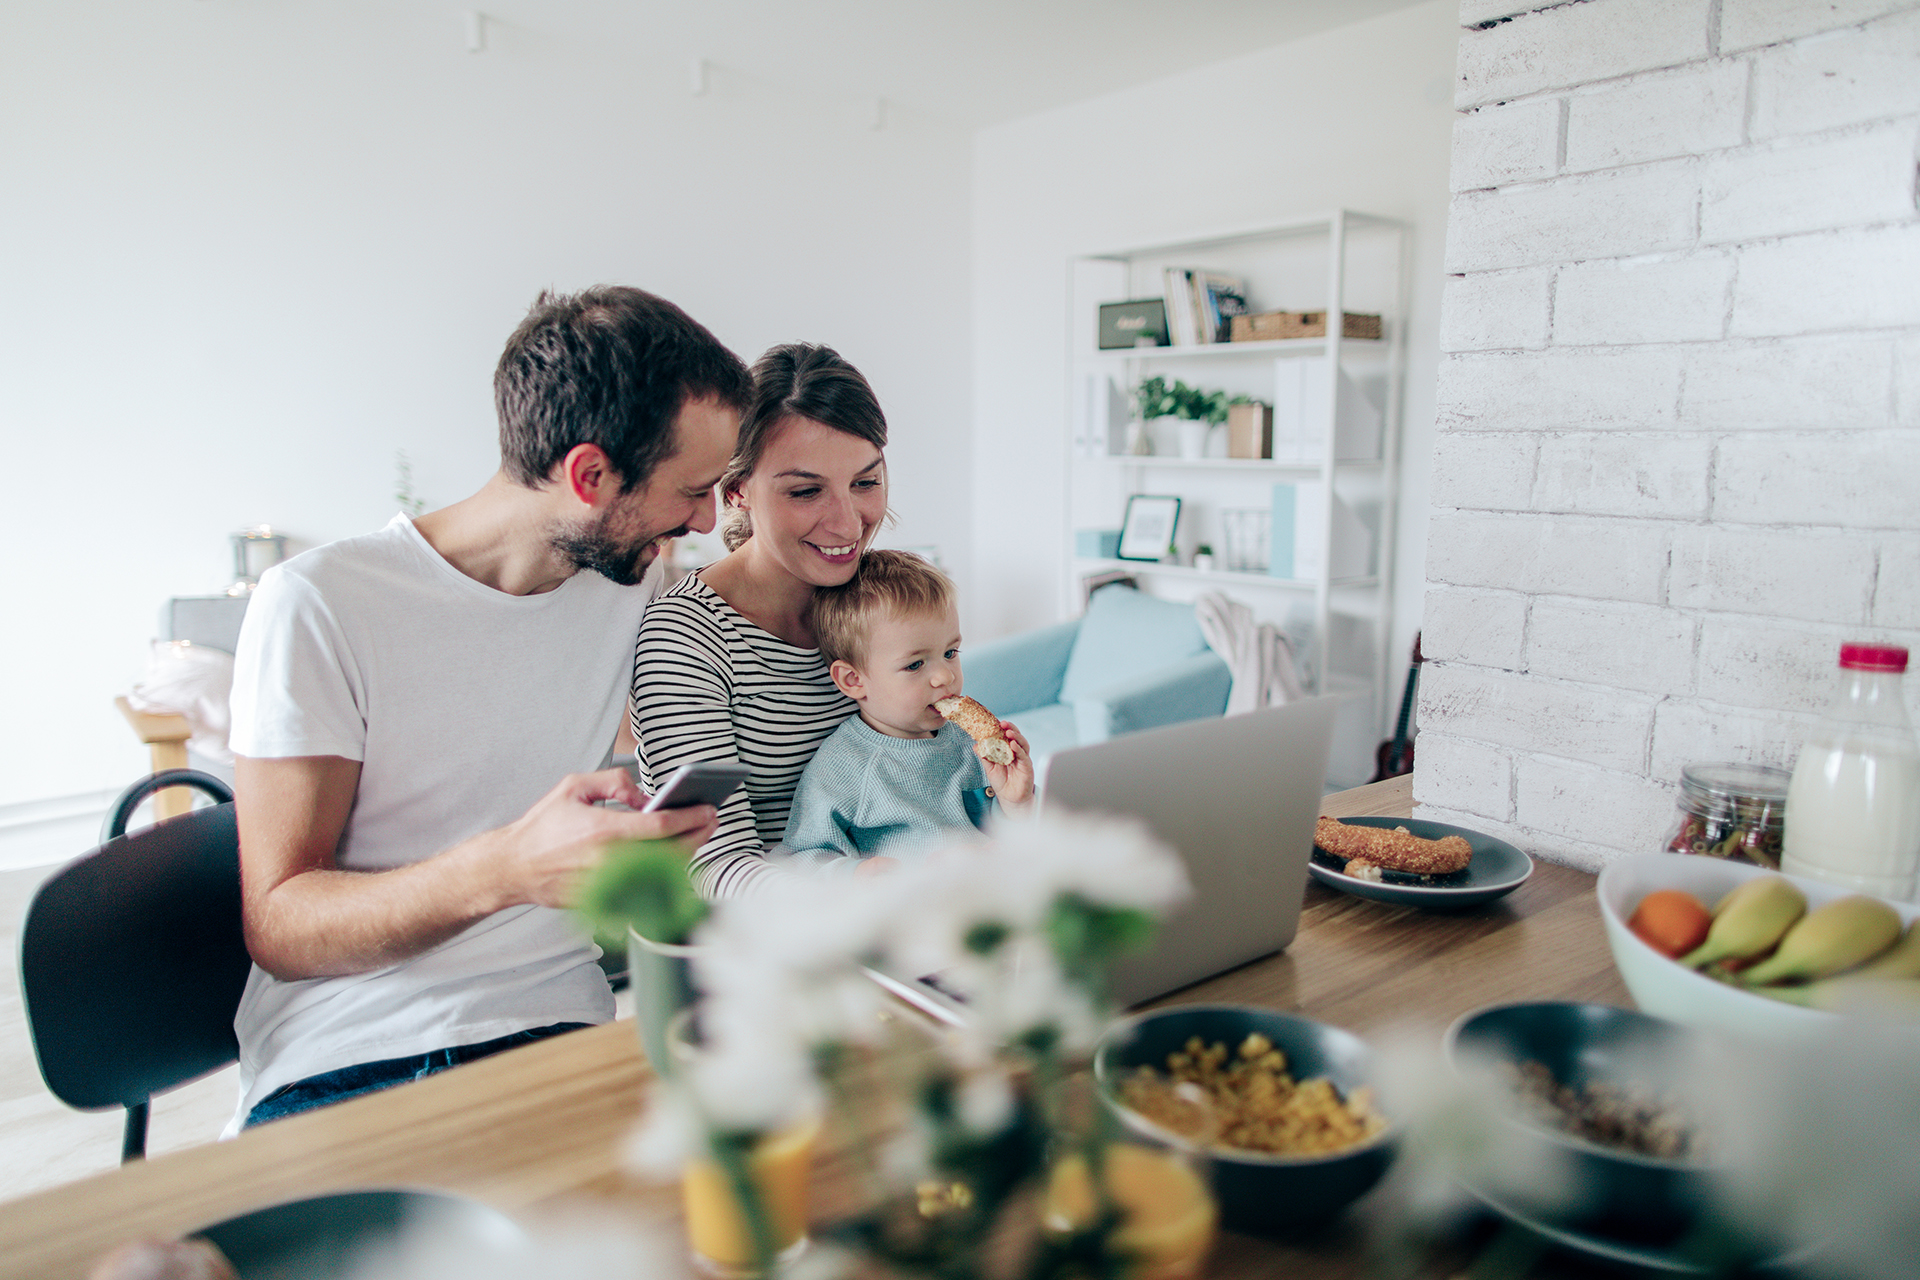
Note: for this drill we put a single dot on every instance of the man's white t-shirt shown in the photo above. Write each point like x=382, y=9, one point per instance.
x=464, y=706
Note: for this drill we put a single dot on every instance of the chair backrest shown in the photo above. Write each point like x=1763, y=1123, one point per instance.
x=1126, y=634
x=132, y=962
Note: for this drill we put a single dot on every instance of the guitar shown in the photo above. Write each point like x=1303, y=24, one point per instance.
x=1394, y=757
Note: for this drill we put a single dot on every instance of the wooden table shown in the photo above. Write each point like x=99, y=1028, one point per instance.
x=541, y=1126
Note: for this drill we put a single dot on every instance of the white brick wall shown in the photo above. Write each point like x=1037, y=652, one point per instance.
x=1485, y=470
x=1842, y=280
x=1641, y=647
x=1654, y=118
x=1837, y=78
x=1679, y=425
x=1488, y=626
x=1795, y=383
x=1497, y=309
x=1745, y=24
x=1644, y=209
x=1578, y=43
x=1501, y=144
x=1680, y=298
x=1508, y=391
x=1779, y=189
x=1622, y=475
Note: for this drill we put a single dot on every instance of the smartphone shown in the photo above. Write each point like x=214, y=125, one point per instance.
x=708, y=782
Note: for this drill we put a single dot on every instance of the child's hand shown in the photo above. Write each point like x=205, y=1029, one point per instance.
x=878, y=865
x=1012, y=783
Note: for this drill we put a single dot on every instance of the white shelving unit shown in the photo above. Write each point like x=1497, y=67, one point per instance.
x=1339, y=262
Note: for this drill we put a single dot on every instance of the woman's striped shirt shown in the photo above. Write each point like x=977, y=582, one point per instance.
x=710, y=685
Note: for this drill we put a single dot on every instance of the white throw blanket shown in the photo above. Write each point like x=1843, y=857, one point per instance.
x=1258, y=654
x=194, y=681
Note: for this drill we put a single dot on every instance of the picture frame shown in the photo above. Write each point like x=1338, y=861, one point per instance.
x=1147, y=533
x=1140, y=323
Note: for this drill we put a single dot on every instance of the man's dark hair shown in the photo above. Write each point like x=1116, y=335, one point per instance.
x=609, y=366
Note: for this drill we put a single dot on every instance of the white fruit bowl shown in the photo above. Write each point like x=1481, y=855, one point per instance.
x=1670, y=990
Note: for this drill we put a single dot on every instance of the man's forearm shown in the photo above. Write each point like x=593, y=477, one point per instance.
x=308, y=918
x=325, y=922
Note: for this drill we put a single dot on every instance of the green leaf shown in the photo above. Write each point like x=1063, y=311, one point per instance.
x=985, y=938
x=642, y=884
x=1086, y=935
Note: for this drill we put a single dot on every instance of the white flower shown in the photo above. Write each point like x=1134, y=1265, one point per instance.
x=1115, y=862
x=667, y=1136
x=1823, y=1138
x=567, y=1243
x=780, y=970
x=985, y=1101
x=1451, y=1133
x=907, y=1157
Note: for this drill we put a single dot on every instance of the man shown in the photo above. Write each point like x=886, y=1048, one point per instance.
x=419, y=714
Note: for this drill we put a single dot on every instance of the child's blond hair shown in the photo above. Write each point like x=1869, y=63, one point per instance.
x=888, y=584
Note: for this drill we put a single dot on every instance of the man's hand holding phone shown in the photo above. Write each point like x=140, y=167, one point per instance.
x=562, y=836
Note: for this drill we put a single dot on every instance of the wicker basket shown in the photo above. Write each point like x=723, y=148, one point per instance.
x=1269, y=325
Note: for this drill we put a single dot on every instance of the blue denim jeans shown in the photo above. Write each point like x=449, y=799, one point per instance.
x=350, y=1082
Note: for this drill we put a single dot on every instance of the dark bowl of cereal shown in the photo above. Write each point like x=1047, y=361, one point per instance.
x=1279, y=1108
x=1607, y=1098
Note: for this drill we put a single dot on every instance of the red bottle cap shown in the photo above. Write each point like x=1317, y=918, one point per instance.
x=1873, y=657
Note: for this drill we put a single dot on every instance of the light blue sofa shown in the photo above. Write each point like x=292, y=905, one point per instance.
x=1131, y=662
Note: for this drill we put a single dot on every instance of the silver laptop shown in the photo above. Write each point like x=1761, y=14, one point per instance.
x=1236, y=797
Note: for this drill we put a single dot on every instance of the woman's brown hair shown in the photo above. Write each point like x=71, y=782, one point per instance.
x=797, y=380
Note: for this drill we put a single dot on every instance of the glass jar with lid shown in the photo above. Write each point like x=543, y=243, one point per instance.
x=1732, y=811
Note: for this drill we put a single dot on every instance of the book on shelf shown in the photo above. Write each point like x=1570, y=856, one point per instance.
x=1300, y=414
x=1179, y=298
x=1201, y=305
x=1299, y=529
x=1218, y=299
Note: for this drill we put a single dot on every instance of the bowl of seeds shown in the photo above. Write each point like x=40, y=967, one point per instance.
x=1279, y=1108
x=1611, y=1099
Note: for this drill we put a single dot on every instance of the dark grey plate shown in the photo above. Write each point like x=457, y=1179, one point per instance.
x=1497, y=869
x=1672, y=1259
x=328, y=1236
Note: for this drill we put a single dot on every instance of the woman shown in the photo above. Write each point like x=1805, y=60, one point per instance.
x=726, y=667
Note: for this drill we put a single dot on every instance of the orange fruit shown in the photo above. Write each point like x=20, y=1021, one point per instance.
x=1671, y=921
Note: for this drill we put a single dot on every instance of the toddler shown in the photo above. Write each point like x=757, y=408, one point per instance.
x=896, y=777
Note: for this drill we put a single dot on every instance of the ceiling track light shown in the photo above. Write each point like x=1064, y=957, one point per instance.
x=697, y=77
x=476, y=31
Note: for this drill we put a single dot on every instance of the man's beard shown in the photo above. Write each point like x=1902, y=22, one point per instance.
x=620, y=561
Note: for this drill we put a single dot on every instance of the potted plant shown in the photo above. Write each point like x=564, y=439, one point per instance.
x=641, y=901
x=1196, y=411
x=1027, y=923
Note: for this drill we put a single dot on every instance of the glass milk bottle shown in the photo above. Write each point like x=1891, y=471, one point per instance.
x=1853, y=807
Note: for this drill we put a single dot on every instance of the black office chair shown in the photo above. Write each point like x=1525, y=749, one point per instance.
x=132, y=958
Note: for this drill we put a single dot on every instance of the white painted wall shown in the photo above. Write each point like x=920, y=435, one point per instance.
x=1357, y=117
x=249, y=251
x=1680, y=410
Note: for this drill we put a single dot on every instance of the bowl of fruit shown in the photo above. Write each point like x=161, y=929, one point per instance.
x=1754, y=953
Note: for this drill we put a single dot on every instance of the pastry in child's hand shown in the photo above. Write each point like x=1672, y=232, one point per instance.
x=1391, y=850
x=989, y=743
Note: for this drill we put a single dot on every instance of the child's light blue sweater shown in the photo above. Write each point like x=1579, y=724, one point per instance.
x=866, y=792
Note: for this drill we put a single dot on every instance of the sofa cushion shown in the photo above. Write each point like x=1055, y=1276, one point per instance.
x=1048, y=729
x=1125, y=635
